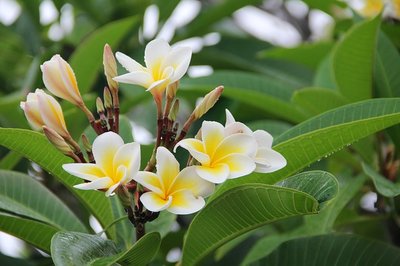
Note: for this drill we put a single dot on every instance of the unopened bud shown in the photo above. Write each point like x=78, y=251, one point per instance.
x=174, y=111
x=57, y=141
x=208, y=102
x=107, y=98
x=172, y=89
x=86, y=143
x=99, y=105
x=110, y=67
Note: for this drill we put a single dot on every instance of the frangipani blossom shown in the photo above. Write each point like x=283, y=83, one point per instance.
x=267, y=160
x=179, y=192
x=221, y=156
x=41, y=109
x=116, y=164
x=59, y=79
x=164, y=65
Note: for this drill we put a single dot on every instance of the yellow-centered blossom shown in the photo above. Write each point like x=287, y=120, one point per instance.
x=221, y=156
x=179, y=192
x=116, y=164
x=267, y=160
x=164, y=65
x=41, y=109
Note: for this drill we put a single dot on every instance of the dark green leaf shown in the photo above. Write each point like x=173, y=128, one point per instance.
x=384, y=186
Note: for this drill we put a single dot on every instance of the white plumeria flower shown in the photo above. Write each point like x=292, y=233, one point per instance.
x=221, y=156
x=164, y=65
x=179, y=192
x=267, y=160
x=116, y=164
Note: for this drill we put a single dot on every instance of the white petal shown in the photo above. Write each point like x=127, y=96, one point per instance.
x=129, y=156
x=150, y=181
x=111, y=190
x=212, y=133
x=184, y=202
x=263, y=138
x=237, y=127
x=140, y=78
x=216, y=174
x=100, y=183
x=87, y=171
x=104, y=149
x=268, y=160
x=179, y=59
x=190, y=180
x=155, y=52
x=239, y=165
x=229, y=117
x=236, y=143
x=167, y=167
x=158, y=86
x=195, y=148
x=153, y=202
x=128, y=63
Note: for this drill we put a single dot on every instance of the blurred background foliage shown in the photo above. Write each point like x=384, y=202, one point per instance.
x=281, y=62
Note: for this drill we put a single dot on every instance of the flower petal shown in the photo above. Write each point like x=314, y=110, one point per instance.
x=104, y=149
x=100, y=183
x=153, y=202
x=52, y=77
x=87, y=171
x=212, y=133
x=184, y=202
x=195, y=148
x=155, y=52
x=237, y=127
x=239, y=165
x=167, y=167
x=263, y=138
x=190, y=180
x=128, y=155
x=128, y=63
x=236, y=143
x=150, y=181
x=31, y=111
x=140, y=78
x=216, y=174
x=69, y=80
x=229, y=117
x=268, y=160
x=111, y=190
x=179, y=59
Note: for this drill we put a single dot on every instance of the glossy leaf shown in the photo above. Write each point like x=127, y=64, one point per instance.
x=384, y=186
x=24, y=196
x=240, y=210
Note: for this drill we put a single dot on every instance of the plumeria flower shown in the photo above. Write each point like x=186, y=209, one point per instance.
x=221, y=156
x=179, y=192
x=116, y=164
x=164, y=66
x=41, y=109
x=59, y=79
x=267, y=160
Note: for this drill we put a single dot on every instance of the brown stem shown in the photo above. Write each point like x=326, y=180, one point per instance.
x=116, y=119
x=140, y=231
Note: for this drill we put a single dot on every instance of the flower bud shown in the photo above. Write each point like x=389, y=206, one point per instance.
x=108, y=104
x=57, y=141
x=99, y=105
x=59, y=79
x=172, y=89
x=208, y=102
x=174, y=111
x=86, y=143
x=110, y=67
x=31, y=111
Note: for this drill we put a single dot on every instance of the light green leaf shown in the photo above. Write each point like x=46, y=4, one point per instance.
x=353, y=59
x=238, y=211
x=37, y=148
x=24, y=196
x=334, y=250
x=36, y=233
x=87, y=60
x=73, y=248
x=384, y=186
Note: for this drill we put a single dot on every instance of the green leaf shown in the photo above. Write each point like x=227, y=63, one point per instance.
x=24, y=196
x=37, y=148
x=73, y=248
x=324, y=77
x=353, y=59
x=9, y=161
x=36, y=233
x=162, y=224
x=384, y=186
x=124, y=229
x=334, y=250
x=306, y=54
x=238, y=211
x=141, y=253
x=256, y=90
x=87, y=60
x=274, y=127
x=323, y=186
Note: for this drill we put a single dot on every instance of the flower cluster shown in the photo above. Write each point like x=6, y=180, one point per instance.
x=217, y=153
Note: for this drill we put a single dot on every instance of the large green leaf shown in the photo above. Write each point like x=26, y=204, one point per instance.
x=36, y=233
x=24, y=196
x=240, y=210
x=37, y=148
x=9, y=161
x=324, y=77
x=384, y=186
x=252, y=89
x=87, y=60
x=334, y=250
x=353, y=60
